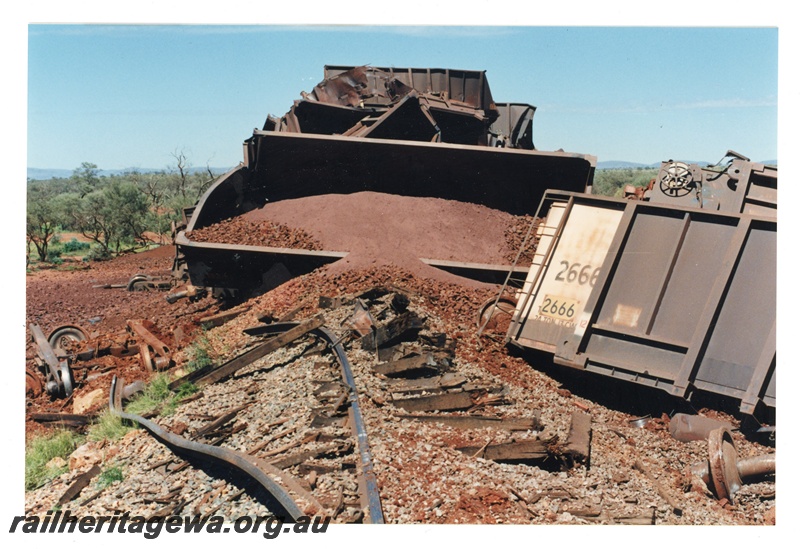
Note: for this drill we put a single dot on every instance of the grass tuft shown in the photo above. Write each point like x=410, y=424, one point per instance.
x=158, y=397
x=41, y=450
x=107, y=427
x=109, y=476
x=198, y=354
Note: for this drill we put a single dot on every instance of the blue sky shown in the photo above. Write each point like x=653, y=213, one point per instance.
x=127, y=96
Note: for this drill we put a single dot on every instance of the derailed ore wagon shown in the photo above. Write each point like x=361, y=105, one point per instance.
x=674, y=289
x=413, y=132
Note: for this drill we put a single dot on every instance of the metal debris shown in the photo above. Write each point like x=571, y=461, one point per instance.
x=154, y=353
x=724, y=471
x=59, y=381
x=142, y=282
x=688, y=427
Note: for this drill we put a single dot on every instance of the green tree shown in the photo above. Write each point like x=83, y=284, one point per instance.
x=611, y=182
x=113, y=217
x=86, y=177
x=42, y=218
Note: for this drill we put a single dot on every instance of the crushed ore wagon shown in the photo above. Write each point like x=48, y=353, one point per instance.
x=675, y=290
x=408, y=131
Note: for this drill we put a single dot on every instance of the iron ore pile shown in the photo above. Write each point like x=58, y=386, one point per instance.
x=378, y=229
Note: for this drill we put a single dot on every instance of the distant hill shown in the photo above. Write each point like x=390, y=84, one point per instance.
x=622, y=164
x=39, y=173
x=49, y=173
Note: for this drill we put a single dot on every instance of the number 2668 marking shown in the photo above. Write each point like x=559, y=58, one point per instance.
x=575, y=272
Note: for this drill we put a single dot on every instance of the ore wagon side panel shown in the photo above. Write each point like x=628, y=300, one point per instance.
x=665, y=296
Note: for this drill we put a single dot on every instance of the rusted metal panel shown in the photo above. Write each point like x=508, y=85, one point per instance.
x=467, y=86
x=514, y=127
x=248, y=267
x=406, y=121
x=671, y=297
x=452, y=172
x=734, y=184
x=289, y=165
x=325, y=118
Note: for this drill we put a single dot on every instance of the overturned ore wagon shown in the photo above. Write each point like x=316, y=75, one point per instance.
x=414, y=132
x=674, y=289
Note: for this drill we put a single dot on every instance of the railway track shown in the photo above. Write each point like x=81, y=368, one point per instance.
x=311, y=458
x=451, y=431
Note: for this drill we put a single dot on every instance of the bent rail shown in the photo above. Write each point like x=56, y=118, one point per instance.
x=230, y=457
x=367, y=472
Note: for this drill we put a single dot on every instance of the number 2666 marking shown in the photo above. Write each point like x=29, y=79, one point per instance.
x=575, y=272
x=562, y=308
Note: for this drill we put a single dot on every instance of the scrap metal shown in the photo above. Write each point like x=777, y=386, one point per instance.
x=190, y=293
x=687, y=427
x=59, y=381
x=61, y=337
x=154, y=353
x=724, y=471
x=142, y=282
